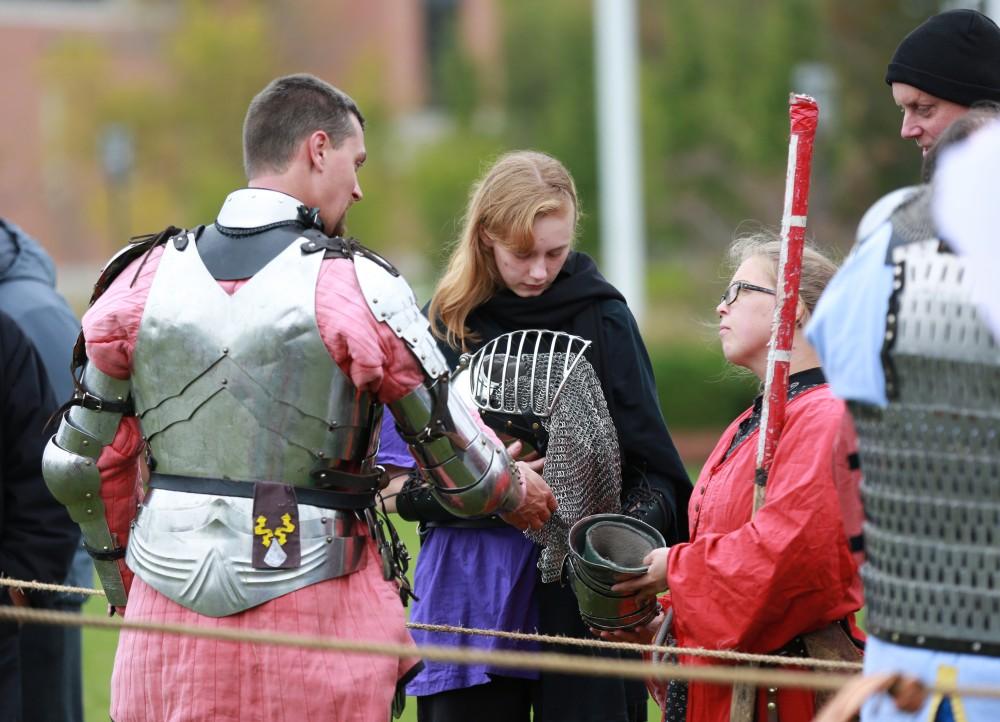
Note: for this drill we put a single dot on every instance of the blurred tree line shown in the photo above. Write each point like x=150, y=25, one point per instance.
x=715, y=82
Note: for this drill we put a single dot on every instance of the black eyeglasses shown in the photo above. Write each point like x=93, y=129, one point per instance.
x=733, y=292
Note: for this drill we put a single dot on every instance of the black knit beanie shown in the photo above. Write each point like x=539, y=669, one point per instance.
x=954, y=56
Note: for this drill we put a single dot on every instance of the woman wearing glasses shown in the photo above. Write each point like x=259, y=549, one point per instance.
x=513, y=268
x=757, y=585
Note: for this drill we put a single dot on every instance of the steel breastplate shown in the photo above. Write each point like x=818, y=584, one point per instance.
x=196, y=550
x=242, y=386
x=931, y=464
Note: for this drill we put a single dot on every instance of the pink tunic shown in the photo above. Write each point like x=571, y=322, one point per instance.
x=166, y=678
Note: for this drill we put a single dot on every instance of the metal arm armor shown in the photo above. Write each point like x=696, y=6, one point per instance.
x=391, y=301
x=472, y=474
x=69, y=466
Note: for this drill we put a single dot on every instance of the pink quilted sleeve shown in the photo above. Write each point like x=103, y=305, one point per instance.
x=110, y=327
x=366, y=350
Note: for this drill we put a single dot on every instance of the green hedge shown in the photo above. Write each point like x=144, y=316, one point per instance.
x=698, y=389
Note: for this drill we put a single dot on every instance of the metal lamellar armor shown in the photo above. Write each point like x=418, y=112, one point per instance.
x=931, y=464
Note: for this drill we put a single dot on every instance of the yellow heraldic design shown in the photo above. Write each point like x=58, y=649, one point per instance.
x=280, y=533
x=286, y=528
x=947, y=676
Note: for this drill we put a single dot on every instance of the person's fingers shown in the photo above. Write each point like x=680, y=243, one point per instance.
x=628, y=586
x=846, y=704
x=516, y=522
x=909, y=693
x=536, y=465
x=619, y=635
x=515, y=448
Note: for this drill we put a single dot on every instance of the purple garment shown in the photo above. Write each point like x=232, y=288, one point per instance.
x=392, y=449
x=498, y=564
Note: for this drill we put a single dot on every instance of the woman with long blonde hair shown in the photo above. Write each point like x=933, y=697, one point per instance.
x=513, y=267
x=499, y=248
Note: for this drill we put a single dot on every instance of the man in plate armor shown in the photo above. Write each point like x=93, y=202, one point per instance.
x=250, y=359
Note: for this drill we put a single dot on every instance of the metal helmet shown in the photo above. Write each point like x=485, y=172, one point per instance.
x=516, y=378
x=605, y=549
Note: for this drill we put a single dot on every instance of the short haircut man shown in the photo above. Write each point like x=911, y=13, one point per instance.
x=285, y=112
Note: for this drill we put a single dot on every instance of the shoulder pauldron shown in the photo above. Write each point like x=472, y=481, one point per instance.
x=138, y=246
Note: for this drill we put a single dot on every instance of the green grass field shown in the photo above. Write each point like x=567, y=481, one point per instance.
x=99, y=652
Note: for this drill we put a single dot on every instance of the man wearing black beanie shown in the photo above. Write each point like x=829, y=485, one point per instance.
x=940, y=69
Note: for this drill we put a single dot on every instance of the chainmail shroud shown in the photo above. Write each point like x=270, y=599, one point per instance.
x=582, y=463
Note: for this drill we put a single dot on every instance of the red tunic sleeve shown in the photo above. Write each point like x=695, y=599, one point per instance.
x=754, y=585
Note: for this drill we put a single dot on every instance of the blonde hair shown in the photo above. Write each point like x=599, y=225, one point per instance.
x=503, y=205
x=817, y=269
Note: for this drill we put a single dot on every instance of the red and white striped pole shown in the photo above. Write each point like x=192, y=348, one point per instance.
x=804, y=114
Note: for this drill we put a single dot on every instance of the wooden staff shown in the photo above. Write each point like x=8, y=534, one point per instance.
x=803, y=113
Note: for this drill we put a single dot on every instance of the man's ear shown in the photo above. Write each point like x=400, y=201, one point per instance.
x=317, y=146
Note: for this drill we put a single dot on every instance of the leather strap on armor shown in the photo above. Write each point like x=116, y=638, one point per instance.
x=95, y=403
x=101, y=556
x=415, y=502
x=322, y=498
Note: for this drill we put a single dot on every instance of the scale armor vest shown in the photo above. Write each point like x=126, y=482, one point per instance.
x=931, y=458
x=241, y=387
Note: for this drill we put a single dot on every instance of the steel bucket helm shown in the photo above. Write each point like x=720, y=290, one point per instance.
x=605, y=549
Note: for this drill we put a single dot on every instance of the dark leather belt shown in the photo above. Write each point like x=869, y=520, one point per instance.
x=323, y=498
x=797, y=647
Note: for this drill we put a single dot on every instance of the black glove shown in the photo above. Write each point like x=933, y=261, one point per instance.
x=415, y=502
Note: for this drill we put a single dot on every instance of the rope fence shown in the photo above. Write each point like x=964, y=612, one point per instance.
x=44, y=587
x=541, y=661
x=730, y=656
